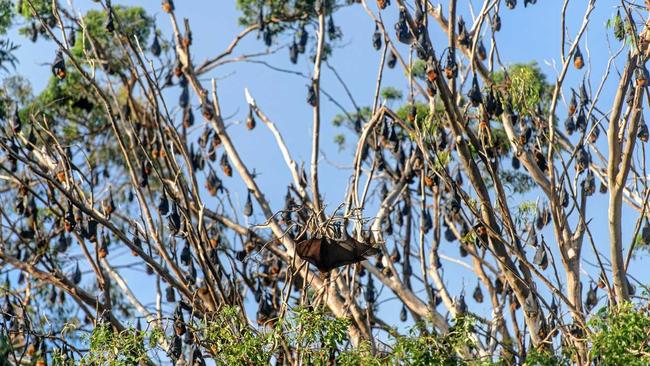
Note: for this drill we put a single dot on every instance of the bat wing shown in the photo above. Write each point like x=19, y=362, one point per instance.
x=327, y=254
x=310, y=250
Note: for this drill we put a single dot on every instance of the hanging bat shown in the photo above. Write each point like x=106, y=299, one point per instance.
x=578, y=60
x=58, y=67
x=327, y=254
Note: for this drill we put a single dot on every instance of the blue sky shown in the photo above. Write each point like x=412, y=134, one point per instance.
x=528, y=34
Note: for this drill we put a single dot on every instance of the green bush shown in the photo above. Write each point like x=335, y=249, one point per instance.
x=621, y=336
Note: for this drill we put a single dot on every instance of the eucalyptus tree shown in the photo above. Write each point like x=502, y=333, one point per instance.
x=125, y=163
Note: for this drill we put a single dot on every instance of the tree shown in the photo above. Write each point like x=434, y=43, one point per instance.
x=104, y=161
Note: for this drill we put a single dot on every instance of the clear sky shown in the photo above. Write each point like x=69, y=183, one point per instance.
x=528, y=34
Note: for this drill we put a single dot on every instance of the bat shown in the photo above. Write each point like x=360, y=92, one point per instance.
x=327, y=254
x=58, y=67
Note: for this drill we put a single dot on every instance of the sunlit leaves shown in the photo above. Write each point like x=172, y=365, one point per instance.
x=526, y=86
x=108, y=347
x=621, y=336
x=7, y=57
x=391, y=93
x=6, y=15
x=133, y=21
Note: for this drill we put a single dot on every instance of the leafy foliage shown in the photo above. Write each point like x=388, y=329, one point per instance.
x=545, y=358
x=517, y=181
x=349, y=119
x=283, y=10
x=32, y=11
x=133, y=21
x=621, y=336
x=6, y=15
x=431, y=349
x=339, y=140
x=525, y=85
x=234, y=342
x=422, y=115
x=40, y=7
x=111, y=348
x=418, y=69
x=391, y=93
x=6, y=55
